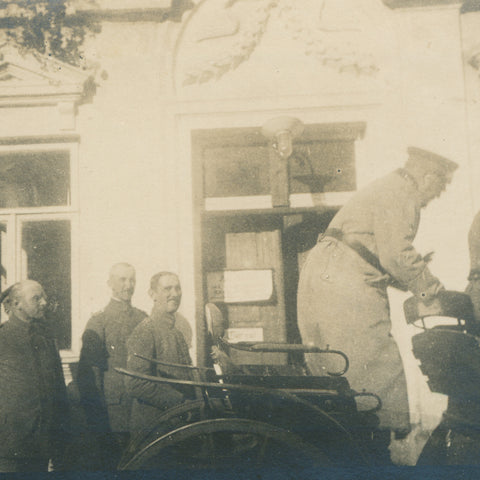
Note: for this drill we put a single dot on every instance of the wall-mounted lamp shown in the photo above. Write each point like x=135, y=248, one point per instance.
x=281, y=131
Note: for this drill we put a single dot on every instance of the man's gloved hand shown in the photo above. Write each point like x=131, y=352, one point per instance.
x=428, y=257
x=430, y=307
x=223, y=360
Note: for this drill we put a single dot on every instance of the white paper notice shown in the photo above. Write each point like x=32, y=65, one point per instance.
x=235, y=335
x=248, y=285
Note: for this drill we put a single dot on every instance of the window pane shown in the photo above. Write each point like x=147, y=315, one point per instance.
x=46, y=258
x=323, y=166
x=34, y=179
x=237, y=170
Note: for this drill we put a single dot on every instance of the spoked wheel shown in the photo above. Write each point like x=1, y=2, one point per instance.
x=228, y=443
x=172, y=419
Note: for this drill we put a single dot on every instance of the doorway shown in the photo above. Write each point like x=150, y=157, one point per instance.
x=248, y=244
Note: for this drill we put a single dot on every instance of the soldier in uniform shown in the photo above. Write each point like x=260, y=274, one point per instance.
x=342, y=293
x=157, y=337
x=106, y=404
x=473, y=288
x=456, y=440
x=34, y=414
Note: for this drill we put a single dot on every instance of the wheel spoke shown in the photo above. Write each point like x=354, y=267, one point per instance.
x=212, y=449
x=263, y=449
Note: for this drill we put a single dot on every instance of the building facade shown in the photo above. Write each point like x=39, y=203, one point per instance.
x=158, y=156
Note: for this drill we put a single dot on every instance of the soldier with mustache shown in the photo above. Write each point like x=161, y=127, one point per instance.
x=106, y=404
x=157, y=337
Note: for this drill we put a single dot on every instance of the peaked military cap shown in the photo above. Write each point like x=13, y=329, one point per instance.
x=430, y=161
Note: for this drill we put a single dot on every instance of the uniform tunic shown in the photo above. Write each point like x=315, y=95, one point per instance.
x=342, y=299
x=104, y=347
x=156, y=337
x=473, y=288
x=33, y=401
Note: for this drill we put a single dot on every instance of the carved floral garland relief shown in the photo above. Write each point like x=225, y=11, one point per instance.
x=319, y=26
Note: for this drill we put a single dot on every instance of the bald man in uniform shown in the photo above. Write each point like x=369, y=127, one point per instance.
x=106, y=404
x=34, y=413
x=342, y=293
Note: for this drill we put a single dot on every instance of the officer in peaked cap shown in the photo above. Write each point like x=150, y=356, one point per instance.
x=342, y=292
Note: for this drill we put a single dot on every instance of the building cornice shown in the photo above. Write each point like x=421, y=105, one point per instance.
x=470, y=6
x=107, y=11
x=166, y=10
x=419, y=3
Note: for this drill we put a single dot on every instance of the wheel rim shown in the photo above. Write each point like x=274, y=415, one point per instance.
x=227, y=442
x=181, y=414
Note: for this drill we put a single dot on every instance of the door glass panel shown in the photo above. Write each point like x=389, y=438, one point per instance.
x=323, y=166
x=46, y=258
x=233, y=171
x=34, y=179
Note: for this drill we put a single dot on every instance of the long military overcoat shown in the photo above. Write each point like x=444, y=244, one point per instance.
x=342, y=299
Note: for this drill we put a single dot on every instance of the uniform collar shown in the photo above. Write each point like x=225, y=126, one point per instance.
x=14, y=320
x=35, y=325
x=163, y=317
x=119, y=305
x=407, y=176
x=412, y=184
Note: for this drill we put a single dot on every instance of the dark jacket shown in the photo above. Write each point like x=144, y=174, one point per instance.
x=102, y=390
x=473, y=288
x=33, y=401
x=156, y=337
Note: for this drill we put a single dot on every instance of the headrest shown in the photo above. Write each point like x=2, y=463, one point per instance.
x=447, y=303
x=215, y=321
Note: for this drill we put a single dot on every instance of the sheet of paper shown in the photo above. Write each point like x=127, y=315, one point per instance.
x=247, y=285
x=240, y=286
x=236, y=335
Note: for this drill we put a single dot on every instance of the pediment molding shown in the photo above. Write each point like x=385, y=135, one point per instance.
x=29, y=77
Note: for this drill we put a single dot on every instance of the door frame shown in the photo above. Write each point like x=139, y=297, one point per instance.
x=186, y=174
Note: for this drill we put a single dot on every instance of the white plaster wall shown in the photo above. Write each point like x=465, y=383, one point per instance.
x=30, y=120
x=471, y=47
x=124, y=185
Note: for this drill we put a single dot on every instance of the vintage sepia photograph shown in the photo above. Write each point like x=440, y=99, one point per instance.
x=239, y=239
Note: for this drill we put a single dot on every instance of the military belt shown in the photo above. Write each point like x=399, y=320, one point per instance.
x=364, y=253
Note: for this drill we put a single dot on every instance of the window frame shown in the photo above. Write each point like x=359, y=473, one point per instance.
x=15, y=217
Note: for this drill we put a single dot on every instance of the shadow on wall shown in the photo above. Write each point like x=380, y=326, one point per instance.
x=82, y=448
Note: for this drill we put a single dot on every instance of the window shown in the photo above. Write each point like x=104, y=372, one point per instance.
x=314, y=167
x=237, y=175
x=38, y=212
x=34, y=179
